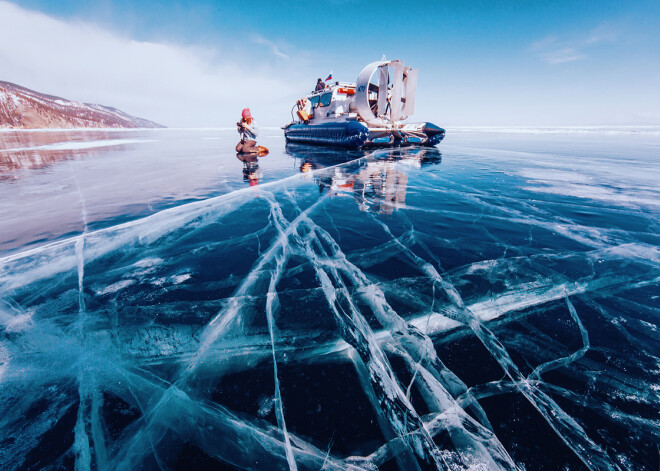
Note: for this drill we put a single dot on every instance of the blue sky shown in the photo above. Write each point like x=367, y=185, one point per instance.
x=480, y=63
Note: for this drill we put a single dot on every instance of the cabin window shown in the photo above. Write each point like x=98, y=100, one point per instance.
x=326, y=98
x=314, y=101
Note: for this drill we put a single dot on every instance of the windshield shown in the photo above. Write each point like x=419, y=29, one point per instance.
x=326, y=98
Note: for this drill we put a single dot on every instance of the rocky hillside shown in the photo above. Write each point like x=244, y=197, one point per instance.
x=21, y=107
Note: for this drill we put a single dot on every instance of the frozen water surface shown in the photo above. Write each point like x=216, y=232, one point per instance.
x=491, y=304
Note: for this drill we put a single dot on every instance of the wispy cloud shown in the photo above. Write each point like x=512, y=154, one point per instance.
x=558, y=50
x=559, y=56
x=270, y=45
x=602, y=34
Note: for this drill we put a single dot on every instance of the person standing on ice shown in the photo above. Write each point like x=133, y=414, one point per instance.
x=247, y=128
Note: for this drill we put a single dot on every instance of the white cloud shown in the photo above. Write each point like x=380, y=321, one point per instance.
x=554, y=50
x=602, y=34
x=270, y=45
x=559, y=56
x=168, y=83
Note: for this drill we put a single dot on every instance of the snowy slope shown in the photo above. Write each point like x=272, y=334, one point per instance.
x=21, y=107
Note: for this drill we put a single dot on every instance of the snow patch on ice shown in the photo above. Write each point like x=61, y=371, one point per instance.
x=266, y=406
x=113, y=288
x=148, y=262
x=80, y=145
x=15, y=323
x=604, y=187
x=172, y=280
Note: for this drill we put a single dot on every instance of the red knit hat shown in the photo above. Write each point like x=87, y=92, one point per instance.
x=246, y=113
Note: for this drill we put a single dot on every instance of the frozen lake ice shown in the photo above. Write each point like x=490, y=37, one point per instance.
x=489, y=304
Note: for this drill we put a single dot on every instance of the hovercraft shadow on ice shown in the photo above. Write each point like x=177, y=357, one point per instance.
x=364, y=114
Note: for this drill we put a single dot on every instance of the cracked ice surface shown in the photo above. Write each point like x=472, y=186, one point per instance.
x=495, y=307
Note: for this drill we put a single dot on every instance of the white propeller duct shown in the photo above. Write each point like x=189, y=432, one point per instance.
x=389, y=108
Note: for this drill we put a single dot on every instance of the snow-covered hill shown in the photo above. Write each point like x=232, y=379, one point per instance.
x=21, y=107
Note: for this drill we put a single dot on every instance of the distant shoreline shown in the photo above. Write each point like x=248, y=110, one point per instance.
x=623, y=129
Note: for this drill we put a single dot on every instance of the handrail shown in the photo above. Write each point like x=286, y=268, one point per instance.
x=293, y=119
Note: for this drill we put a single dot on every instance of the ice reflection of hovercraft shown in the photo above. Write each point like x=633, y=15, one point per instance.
x=251, y=170
x=308, y=157
x=412, y=156
x=377, y=183
x=382, y=184
x=381, y=187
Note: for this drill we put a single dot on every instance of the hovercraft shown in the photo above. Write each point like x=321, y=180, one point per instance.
x=368, y=113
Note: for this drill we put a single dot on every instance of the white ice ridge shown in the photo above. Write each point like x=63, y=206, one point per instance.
x=87, y=423
x=72, y=145
x=74, y=337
